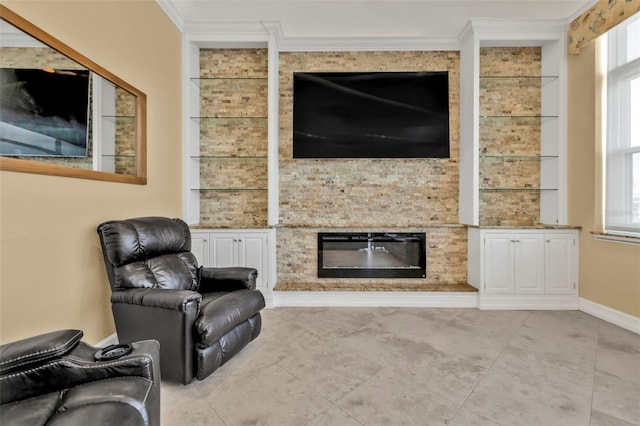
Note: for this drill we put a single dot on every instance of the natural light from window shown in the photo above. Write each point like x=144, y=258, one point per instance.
x=622, y=191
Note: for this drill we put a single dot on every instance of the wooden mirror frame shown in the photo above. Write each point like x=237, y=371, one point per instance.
x=26, y=166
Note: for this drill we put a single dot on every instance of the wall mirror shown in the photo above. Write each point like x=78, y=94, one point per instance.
x=62, y=114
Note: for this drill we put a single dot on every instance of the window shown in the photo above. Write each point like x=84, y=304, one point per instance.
x=622, y=191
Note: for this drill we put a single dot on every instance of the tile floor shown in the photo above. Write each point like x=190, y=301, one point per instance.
x=419, y=366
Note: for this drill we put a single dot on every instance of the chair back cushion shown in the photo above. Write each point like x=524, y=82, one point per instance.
x=149, y=252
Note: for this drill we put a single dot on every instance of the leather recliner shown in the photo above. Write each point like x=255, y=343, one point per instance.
x=202, y=317
x=55, y=379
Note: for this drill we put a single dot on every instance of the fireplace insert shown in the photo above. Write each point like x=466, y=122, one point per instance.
x=371, y=255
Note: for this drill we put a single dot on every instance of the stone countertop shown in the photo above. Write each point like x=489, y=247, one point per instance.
x=383, y=228
x=372, y=228
x=536, y=226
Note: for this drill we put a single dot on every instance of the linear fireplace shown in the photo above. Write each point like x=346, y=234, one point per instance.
x=371, y=255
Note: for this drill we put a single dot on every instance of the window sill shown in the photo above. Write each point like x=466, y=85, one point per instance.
x=616, y=238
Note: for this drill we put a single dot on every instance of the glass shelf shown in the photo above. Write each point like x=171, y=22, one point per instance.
x=229, y=157
x=517, y=189
x=230, y=189
x=119, y=155
x=205, y=82
x=518, y=157
x=213, y=119
x=522, y=120
x=120, y=118
x=531, y=80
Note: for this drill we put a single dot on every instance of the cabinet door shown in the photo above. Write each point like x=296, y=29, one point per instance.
x=529, y=263
x=559, y=257
x=200, y=247
x=252, y=253
x=223, y=250
x=498, y=264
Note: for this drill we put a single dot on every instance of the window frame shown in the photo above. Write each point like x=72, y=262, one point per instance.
x=619, y=203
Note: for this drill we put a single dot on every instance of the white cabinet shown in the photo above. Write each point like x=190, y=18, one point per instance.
x=560, y=264
x=527, y=269
x=514, y=263
x=226, y=248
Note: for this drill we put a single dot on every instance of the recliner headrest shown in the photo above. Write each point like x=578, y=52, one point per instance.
x=136, y=239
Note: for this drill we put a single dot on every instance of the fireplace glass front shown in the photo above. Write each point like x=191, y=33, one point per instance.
x=371, y=255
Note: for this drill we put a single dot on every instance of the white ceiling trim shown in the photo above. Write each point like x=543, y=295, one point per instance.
x=172, y=12
x=327, y=44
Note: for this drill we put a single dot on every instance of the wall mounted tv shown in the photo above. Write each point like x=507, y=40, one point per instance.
x=371, y=115
x=44, y=112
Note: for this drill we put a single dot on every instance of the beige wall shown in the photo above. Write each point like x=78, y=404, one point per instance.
x=609, y=272
x=51, y=271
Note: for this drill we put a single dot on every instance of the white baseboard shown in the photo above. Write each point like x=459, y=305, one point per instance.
x=111, y=340
x=613, y=316
x=405, y=299
x=529, y=302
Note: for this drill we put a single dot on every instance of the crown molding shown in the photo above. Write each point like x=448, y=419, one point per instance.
x=172, y=12
x=522, y=28
x=331, y=44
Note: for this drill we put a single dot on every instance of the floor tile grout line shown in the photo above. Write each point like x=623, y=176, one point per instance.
x=488, y=370
x=595, y=369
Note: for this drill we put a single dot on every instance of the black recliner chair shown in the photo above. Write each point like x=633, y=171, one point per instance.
x=55, y=379
x=202, y=317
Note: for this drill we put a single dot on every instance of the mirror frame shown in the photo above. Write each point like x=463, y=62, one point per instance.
x=26, y=166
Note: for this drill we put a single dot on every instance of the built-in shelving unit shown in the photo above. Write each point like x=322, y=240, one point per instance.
x=227, y=145
x=512, y=154
x=114, y=121
x=520, y=253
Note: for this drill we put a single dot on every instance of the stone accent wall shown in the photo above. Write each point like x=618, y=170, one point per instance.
x=510, y=102
x=341, y=192
x=298, y=264
x=125, y=133
x=233, y=137
x=367, y=195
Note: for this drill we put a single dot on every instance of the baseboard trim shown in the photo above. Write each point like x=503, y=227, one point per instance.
x=111, y=340
x=399, y=299
x=529, y=302
x=626, y=321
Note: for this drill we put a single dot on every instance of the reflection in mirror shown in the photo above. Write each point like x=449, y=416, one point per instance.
x=61, y=114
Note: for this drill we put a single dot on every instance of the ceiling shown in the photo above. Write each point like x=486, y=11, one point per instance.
x=366, y=18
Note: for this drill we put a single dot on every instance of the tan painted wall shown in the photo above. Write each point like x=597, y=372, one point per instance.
x=51, y=271
x=609, y=272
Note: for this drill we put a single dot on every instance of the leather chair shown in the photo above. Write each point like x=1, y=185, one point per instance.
x=55, y=379
x=202, y=317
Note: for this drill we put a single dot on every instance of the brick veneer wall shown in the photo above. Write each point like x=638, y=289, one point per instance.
x=233, y=137
x=503, y=136
x=350, y=195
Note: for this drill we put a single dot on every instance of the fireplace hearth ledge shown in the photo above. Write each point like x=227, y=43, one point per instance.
x=376, y=286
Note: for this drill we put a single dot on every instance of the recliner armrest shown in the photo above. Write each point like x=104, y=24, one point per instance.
x=176, y=300
x=33, y=351
x=77, y=367
x=227, y=279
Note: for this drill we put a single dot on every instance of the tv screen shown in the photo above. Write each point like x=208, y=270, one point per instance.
x=43, y=112
x=371, y=115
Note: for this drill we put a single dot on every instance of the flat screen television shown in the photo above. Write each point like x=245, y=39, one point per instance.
x=44, y=112
x=371, y=115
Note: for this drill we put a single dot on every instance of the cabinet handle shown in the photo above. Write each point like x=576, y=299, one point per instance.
x=548, y=241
